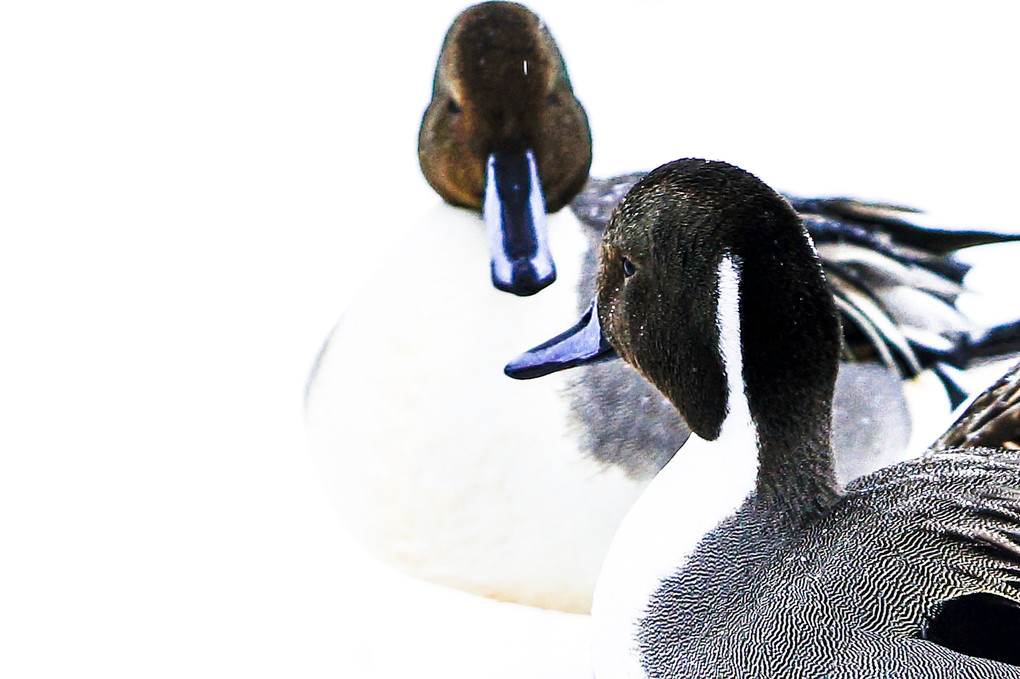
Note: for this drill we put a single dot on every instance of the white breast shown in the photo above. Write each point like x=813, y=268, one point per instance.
x=439, y=462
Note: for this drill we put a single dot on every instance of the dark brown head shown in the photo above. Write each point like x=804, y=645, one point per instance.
x=501, y=86
x=659, y=286
x=504, y=133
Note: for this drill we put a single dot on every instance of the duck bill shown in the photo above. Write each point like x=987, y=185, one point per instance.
x=514, y=210
x=583, y=344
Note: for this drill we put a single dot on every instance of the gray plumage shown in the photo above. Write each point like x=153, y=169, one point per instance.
x=848, y=595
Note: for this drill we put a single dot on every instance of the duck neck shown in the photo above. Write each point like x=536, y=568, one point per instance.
x=780, y=385
x=796, y=474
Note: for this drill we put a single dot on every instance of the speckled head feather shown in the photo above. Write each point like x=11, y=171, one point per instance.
x=501, y=85
x=658, y=283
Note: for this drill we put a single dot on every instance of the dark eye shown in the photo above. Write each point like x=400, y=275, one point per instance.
x=452, y=106
x=628, y=268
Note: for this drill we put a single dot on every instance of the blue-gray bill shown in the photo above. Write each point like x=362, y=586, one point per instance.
x=514, y=211
x=580, y=345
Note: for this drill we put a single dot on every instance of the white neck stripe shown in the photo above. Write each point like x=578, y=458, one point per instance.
x=704, y=483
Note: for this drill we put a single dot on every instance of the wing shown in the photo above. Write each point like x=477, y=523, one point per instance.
x=902, y=225
x=991, y=421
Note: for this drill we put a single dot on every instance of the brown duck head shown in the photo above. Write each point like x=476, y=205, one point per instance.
x=505, y=134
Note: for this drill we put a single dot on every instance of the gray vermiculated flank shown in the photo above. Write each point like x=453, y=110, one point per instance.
x=846, y=596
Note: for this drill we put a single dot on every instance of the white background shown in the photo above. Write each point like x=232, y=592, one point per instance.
x=191, y=191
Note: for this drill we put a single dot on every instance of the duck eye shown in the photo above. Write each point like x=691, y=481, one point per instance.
x=452, y=106
x=628, y=268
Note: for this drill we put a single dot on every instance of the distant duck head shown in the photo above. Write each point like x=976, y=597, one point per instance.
x=504, y=133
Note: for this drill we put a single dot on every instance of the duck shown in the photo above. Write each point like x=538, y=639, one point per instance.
x=744, y=556
x=424, y=446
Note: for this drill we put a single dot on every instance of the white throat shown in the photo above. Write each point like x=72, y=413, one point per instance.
x=704, y=483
